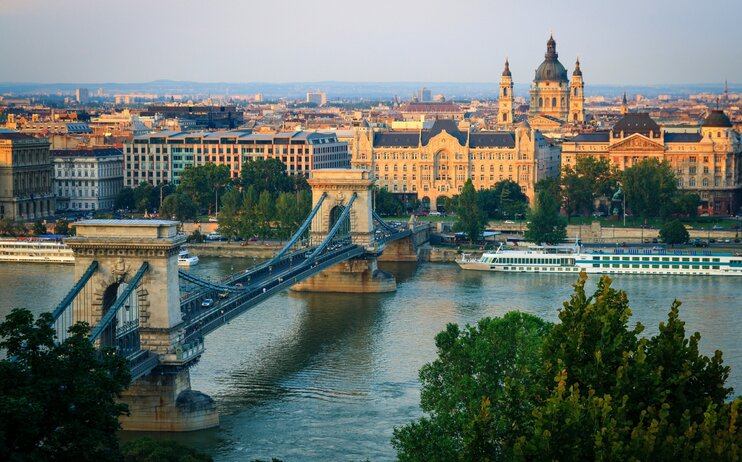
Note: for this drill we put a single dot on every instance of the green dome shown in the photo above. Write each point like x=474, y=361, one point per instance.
x=551, y=69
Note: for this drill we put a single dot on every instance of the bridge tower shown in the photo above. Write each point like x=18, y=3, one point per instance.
x=161, y=399
x=357, y=275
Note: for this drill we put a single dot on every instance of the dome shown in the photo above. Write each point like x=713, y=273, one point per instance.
x=717, y=118
x=551, y=69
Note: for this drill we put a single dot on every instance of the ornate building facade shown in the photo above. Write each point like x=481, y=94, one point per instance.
x=25, y=177
x=707, y=162
x=433, y=163
x=552, y=93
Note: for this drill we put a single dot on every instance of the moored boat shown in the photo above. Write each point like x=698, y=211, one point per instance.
x=186, y=259
x=35, y=250
x=572, y=259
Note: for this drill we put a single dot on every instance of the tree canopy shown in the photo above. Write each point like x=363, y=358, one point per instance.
x=268, y=175
x=650, y=187
x=57, y=400
x=587, y=388
x=469, y=216
x=589, y=180
x=545, y=224
x=387, y=203
x=674, y=232
x=504, y=200
x=204, y=183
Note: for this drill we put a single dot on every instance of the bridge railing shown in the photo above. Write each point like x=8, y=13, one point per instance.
x=76, y=305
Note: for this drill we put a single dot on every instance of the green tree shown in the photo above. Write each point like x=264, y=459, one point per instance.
x=249, y=214
x=39, y=228
x=265, y=213
x=674, y=232
x=268, y=175
x=9, y=227
x=62, y=227
x=204, y=183
x=545, y=225
x=650, y=187
x=143, y=196
x=57, y=400
x=178, y=206
x=479, y=393
x=285, y=211
x=469, y=216
x=196, y=237
x=387, y=203
x=590, y=179
x=229, y=214
x=125, y=199
x=512, y=203
x=149, y=450
x=687, y=203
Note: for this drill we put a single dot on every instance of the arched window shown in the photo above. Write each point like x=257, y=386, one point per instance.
x=505, y=91
x=577, y=91
x=705, y=182
x=504, y=116
x=553, y=102
x=540, y=102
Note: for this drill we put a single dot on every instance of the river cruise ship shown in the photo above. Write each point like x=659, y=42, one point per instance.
x=572, y=259
x=33, y=250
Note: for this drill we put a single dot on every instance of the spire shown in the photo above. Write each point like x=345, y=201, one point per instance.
x=577, y=71
x=624, y=105
x=624, y=99
x=551, y=48
x=506, y=72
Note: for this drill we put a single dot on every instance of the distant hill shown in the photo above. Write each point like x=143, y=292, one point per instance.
x=347, y=90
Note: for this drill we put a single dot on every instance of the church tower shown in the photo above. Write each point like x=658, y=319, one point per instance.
x=505, y=113
x=577, y=96
x=624, y=105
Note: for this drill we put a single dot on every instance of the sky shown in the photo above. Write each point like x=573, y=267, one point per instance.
x=625, y=42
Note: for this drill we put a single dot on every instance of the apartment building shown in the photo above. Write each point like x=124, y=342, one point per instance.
x=87, y=179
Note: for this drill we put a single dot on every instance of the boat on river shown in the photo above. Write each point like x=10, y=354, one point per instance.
x=572, y=259
x=35, y=250
x=186, y=259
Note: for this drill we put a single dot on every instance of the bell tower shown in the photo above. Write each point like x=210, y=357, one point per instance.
x=505, y=112
x=577, y=96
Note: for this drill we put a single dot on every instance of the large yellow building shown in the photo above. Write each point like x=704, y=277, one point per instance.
x=435, y=162
x=707, y=162
x=25, y=177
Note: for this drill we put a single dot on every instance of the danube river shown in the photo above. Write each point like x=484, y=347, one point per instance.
x=306, y=377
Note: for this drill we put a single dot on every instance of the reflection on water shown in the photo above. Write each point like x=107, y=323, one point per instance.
x=327, y=376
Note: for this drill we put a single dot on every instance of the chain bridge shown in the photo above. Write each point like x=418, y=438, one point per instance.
x=130, y=290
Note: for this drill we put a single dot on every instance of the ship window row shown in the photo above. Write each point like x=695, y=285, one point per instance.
x=531, y=261
x=656, y=258
x=647, y=266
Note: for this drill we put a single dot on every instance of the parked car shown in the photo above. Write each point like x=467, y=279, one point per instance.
x=435, y=213
x=207, y=302
x=509, y=222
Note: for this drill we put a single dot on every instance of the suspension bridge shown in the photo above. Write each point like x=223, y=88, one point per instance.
x=130, y=290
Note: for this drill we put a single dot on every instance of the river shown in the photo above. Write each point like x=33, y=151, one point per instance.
x=307, y=377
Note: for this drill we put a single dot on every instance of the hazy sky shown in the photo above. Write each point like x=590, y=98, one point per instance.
x=619, y=42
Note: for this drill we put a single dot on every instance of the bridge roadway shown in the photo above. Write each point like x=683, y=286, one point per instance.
x=252, y=286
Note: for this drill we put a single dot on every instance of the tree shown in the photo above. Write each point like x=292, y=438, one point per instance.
x=650, y=187
x=204, y=183
x=469, y=217
x=149, y=450
x=125, y=199
x=143, y=196
x=589, y=180
x=687, y=204
x=285, y=214
x=545, y=224
x=62, y=227
x=9, y=227
x=387, y=203
x=178, y=206
x=265, y=213
x=268, y=175
x=479, y=393
x=674, y=232
x=504, y=200
x=229, y=215
x=57, y=400
x=39, y=228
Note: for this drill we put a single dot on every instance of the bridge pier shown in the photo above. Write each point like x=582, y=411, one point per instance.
x=164, y=402
x=357, y=275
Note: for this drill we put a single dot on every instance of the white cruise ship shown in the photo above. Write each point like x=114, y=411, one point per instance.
x=35, y=250
x=571, y=259
x=186, y=259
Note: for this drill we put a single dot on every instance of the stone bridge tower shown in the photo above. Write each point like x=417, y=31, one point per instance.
x=161, y=400
x=357, y=275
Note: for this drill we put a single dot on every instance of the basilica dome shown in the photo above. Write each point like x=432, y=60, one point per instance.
x=551, y=69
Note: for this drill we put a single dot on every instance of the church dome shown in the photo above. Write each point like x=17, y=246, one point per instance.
x=717, y=118
x=551, y=69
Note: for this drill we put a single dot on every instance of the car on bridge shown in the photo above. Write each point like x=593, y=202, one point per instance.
x=207, y=302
